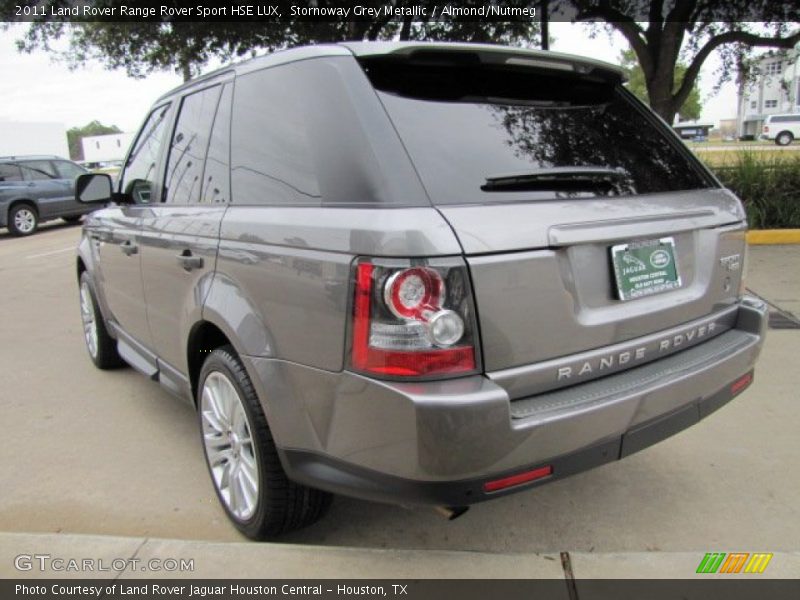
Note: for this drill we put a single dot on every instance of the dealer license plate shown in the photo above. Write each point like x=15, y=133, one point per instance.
x=644, y=268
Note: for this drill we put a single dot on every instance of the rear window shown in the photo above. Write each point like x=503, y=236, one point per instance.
x=496, y=133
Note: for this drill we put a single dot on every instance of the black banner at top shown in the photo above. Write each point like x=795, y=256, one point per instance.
x=685, y=11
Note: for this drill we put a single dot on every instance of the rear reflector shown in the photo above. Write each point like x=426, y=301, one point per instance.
x=520, y=478
x=741, y=384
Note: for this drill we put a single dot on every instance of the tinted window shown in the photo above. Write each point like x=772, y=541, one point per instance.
x=38, y=169
x=67, y=170
x=187, y=154
x=216, y=177
x=271, y=161
x=464, y=123
x=140, y=171
x=10, y=172
x=786, y=119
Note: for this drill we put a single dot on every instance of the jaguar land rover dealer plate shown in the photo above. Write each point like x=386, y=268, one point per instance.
x=644, y=268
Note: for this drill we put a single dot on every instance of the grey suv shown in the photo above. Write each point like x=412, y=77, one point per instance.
x=425, y=274
x=34, y=189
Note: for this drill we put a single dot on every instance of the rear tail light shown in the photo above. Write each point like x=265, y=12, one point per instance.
x=413, y=319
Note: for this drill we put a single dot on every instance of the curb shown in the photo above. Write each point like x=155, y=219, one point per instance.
x=773, y=236
x=251, y=560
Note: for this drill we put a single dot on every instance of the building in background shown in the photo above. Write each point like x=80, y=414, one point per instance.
x=108, y=148
x=775, y=90
x=18, y=138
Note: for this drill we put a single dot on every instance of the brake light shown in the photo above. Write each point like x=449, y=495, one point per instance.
x=412, y=320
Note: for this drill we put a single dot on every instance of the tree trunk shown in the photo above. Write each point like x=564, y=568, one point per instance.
x=186, y=70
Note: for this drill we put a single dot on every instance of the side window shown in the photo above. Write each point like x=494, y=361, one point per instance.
x=36, y=170
x=187, y=153
x=216, y=177
x=271, y=158
x=140, y=171
x=10, y=172
x=67, y=170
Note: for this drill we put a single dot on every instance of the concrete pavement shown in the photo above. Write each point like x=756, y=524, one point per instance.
x=110, y=453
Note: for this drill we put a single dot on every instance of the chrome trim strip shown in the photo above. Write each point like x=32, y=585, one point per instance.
x=564, y=371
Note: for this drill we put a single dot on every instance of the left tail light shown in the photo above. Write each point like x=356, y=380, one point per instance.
x=413, y=319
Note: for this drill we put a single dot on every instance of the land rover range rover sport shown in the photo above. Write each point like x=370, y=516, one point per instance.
x=416, y=273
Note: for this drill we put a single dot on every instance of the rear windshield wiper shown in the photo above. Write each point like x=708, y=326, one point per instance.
x=566, y=179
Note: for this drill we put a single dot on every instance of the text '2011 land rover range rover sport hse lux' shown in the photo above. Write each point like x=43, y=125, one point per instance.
x=416, y=273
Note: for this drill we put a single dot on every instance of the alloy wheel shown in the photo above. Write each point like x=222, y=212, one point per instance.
x=89, y=320
x=229, y=446
x=25, y=220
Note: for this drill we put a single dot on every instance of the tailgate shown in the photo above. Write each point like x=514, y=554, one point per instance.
x=546, y=289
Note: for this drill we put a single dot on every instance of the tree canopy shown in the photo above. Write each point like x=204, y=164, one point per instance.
x=692, y=106
x=663, y=33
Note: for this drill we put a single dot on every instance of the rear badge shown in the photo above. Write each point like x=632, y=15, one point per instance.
x=645, y=268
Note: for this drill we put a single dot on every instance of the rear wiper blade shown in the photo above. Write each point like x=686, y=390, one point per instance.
x=562, y=179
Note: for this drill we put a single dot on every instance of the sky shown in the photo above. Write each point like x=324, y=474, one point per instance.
x=35, y=87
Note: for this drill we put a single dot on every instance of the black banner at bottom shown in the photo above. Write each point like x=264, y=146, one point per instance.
x=733, y=588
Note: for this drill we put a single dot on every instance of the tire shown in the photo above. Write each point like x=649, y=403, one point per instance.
x=72, y=220
x=101, y=346
x=262, y=502
x=784, y=138
x=23, y=219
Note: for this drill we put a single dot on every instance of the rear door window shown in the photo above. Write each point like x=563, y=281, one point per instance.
x=484, y=133
x=36, y=170
x=187, y=155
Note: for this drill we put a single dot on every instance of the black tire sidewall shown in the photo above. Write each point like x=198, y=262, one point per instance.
x=107, y=356
x=225, y=361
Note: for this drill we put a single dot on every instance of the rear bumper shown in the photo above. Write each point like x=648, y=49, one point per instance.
x=440, y=442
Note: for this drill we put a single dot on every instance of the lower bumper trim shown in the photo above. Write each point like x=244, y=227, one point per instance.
x=339, y=477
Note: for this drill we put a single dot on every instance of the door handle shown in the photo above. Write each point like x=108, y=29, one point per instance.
x=188, y=261
x=128, y=248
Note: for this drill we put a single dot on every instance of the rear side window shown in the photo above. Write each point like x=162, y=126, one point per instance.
x=271, y=161
x=67, y=170
x=10, y=172
x=187, y=155
x=487, y=133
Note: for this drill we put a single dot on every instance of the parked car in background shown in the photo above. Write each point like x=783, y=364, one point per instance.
x=783, y=129
x=34, y=189
x=429, y=274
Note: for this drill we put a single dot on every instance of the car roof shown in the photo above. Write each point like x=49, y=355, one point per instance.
x=490, y=53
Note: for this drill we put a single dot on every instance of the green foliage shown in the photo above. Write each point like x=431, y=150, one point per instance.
x=187, y=46
x=769, y=188
x=76, y=134
x=692, y=106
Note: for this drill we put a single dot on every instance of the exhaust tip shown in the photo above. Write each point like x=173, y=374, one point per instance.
x=451, y=513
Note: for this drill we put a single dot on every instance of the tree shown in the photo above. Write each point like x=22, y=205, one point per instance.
x=691, y=107
x=187, y=46
x=76, y=134
x=660, y=32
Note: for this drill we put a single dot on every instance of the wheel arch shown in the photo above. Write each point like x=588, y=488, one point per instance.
x=204, y=338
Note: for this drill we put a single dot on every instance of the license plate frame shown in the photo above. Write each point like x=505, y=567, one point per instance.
x=645, y=268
